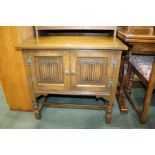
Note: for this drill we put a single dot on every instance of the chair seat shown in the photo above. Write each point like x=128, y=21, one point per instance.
x=143, y=64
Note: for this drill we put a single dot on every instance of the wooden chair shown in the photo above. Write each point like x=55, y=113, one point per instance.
x=144, y=68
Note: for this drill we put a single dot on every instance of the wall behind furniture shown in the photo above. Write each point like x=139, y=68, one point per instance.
x=12, y=72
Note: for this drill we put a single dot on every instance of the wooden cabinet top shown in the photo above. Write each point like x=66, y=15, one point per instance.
x=75, y=27
x=74, y=42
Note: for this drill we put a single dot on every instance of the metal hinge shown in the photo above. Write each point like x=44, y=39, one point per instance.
x=114, y=62
x=111, y=83
x=29, y=61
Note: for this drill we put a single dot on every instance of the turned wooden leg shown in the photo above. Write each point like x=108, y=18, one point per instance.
x=130, y=76
x=128, y=90
x=120, y=89
x=108, y=117
x=36, y=111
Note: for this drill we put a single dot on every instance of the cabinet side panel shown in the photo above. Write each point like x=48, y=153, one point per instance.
x=12, y=71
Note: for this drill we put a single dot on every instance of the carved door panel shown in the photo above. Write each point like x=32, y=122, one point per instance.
x=50, y=69
x=91, y=69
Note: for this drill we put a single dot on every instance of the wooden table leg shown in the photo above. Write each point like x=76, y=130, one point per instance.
x=108, y=117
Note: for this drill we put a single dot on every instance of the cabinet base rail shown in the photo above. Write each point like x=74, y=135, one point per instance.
x=38, y=107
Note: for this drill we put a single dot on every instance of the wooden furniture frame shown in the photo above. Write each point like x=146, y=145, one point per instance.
x=150, y=86
x=141, y=40
x=73, y=65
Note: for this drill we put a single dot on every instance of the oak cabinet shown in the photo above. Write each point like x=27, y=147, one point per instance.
x=86, y=70
x=70, y=65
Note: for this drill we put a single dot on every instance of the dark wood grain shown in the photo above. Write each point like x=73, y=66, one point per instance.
x=141, y=40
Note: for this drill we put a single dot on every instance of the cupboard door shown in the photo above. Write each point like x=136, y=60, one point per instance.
x=49, y=69
x=91, y=69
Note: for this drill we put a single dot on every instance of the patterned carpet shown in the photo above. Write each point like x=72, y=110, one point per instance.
x=60, y=118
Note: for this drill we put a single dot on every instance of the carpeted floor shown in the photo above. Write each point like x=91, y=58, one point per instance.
x=60, y=118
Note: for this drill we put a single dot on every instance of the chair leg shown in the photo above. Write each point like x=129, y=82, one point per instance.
x=130, y=75
x=148, y=95
x=146, y=104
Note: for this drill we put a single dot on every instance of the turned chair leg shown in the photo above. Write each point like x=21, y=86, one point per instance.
x=130, y=75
